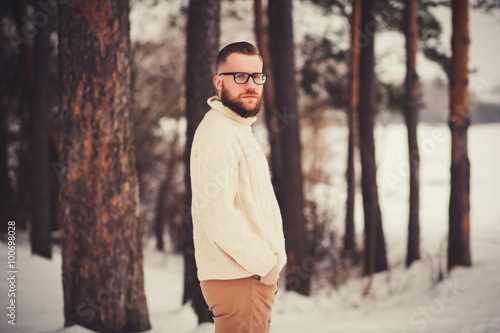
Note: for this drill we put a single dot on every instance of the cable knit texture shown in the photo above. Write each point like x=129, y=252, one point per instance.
x=237, y=225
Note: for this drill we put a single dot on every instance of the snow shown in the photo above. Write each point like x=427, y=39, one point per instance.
x=401, y=300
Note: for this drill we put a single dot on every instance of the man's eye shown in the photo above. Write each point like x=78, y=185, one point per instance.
x=241, y=76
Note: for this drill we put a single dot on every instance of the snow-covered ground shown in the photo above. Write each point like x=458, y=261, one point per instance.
x=467, y=301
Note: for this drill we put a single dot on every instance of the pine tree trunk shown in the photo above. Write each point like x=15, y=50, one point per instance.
x=5, y=185
x=23, y=197
x=202, y=47
x=291, y=193
x=40, y=195
x=412, y=106
x=271, y=114
x=352, y=114
x=375, y=251
x=459, y=224
x=103, y=278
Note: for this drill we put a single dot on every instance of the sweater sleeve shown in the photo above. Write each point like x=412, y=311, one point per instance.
x=214, y=176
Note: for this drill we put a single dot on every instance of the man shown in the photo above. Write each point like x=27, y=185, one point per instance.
x=237, y=226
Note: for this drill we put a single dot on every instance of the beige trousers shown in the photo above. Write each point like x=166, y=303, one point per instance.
x=241, y=305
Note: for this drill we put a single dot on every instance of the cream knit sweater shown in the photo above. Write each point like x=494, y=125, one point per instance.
x=237, y=226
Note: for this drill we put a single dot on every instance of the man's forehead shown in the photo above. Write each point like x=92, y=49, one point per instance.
x=237, y=62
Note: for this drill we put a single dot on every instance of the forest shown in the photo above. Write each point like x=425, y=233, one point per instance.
x=378, y=125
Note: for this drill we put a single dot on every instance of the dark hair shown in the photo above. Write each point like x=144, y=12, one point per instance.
x=238, y=47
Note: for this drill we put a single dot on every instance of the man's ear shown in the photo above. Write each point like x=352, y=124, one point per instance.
x=218, y=82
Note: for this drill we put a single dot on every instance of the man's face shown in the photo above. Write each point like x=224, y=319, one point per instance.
x=244, y=99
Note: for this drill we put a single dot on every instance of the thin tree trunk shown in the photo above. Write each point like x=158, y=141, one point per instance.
x=202, y=47
x=412, y=106
x=352, y=114
x=375, y=251
x=103, y=278
x=165, y=186
x=40, y=195
x=459, y=224
x=158, y=228
x=299, y=269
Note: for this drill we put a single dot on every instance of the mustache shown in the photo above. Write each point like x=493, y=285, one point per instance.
x=250, y=93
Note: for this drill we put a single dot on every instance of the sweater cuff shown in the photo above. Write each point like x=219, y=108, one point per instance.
x=267, y=264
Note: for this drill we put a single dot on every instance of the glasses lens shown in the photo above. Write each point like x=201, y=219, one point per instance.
x=240, y=77
x=260, y=78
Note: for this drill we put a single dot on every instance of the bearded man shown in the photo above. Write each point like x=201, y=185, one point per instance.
x=237, y=224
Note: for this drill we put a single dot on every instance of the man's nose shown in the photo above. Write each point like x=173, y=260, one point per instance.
x=250, y=85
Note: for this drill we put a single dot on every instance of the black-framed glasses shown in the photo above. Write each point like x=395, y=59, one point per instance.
x=242, y=77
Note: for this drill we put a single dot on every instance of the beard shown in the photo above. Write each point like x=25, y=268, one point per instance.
x=239, y=106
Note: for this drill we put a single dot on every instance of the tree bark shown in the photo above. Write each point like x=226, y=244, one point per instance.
x=352, y=118
x=5, y=184
x=459, y=224
x=23, y=198
x=271, y=114
x=103, y=278
x=40, y=190
x=298, y=269
x=411, y=117
x=202, y=47
x=375, y=251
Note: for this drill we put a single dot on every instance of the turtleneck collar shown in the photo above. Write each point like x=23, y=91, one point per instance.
x=217, y=105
